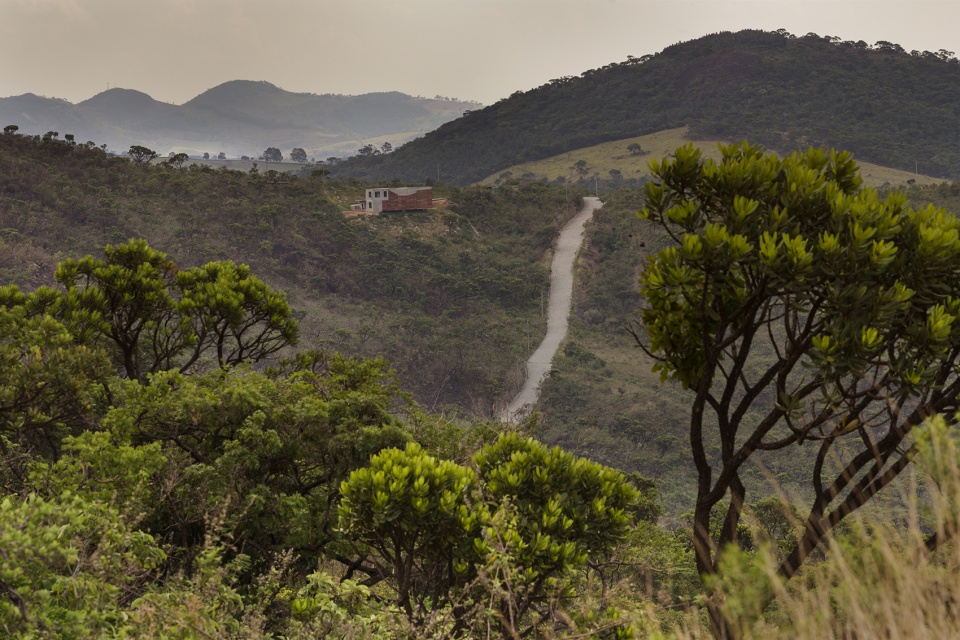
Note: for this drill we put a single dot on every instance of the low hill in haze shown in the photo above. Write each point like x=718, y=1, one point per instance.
x=240, y=117
x=886, y=105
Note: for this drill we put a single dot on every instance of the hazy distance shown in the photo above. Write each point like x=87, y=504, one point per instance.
x=470, y=49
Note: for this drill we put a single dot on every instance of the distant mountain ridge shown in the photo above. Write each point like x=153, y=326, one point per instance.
x=889, y=106
x=240, y=117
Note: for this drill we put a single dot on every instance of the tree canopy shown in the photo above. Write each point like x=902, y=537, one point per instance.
x=799, y=309
x=272, y=154
x=151, y=316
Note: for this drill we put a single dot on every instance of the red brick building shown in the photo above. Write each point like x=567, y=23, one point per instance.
x=398, y=199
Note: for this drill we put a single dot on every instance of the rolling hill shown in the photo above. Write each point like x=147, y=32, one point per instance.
x=888, y=106
x=240, y=117
x=606, y=159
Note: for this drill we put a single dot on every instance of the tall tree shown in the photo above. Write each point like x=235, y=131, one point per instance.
x=799, y=309
x=272, y=154
x=177, y=159
x=580, y=166
x=141, y=155
x=298, y=155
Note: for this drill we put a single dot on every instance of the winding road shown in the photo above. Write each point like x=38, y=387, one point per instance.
x=558, y=313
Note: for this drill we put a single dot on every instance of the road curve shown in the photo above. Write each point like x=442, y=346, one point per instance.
x=558, y=313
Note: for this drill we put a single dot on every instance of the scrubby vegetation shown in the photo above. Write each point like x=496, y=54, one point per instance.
x=180, y=458
x=451, y=297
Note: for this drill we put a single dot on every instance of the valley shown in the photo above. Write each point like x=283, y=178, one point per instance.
x=624, y=377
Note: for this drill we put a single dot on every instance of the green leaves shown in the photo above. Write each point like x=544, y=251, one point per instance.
x=545, y=508
x=234, y=314
x=68, y=565
x=48, y=384
x=766, y=228
x=153, y=317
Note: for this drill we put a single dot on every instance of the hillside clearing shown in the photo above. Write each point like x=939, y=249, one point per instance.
x=605, y=157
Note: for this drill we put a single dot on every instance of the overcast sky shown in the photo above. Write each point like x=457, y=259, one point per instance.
x=470, y=49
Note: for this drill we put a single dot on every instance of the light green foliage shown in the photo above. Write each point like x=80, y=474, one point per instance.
x=545, y=513
x=512, y=534
x=124, y=302
x=233, y=313
x=95, y=467
x=411, y=508
x=48, y=385
x=159, y=318
x=326, y=606
x=68, y=565
x=201, y=603
x=800, y=232
x=568, y=509
x=797, y=306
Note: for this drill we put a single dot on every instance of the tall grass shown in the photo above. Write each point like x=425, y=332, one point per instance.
x=876, y=580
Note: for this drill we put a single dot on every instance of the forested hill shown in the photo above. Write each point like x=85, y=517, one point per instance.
x=887, y=105
x=451, y=297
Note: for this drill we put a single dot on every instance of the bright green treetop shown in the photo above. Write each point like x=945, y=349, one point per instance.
x=156, y=317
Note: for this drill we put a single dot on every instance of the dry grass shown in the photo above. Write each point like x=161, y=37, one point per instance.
x=877, y=581
x=602, y=158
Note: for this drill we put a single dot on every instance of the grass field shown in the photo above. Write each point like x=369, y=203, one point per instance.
x=603, y=158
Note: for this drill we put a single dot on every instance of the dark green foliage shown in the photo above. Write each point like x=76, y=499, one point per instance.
x=884, y=105
x=141, y=155
x=269, y=452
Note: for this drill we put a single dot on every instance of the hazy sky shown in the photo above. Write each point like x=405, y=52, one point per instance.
x=471, y=49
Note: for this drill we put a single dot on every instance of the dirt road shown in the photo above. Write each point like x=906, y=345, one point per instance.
x=561, y=296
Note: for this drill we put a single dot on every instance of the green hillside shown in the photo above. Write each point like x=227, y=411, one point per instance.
x=626, y=162
x=886, y=105
x=451, y=297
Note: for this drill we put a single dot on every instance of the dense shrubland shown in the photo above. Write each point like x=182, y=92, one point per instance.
x=313, y=498
x=178, y=461
x=152, y=487
x=452, y=297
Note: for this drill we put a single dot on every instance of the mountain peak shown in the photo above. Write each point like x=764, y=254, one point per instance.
x=234, y=90
x=119, y=96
